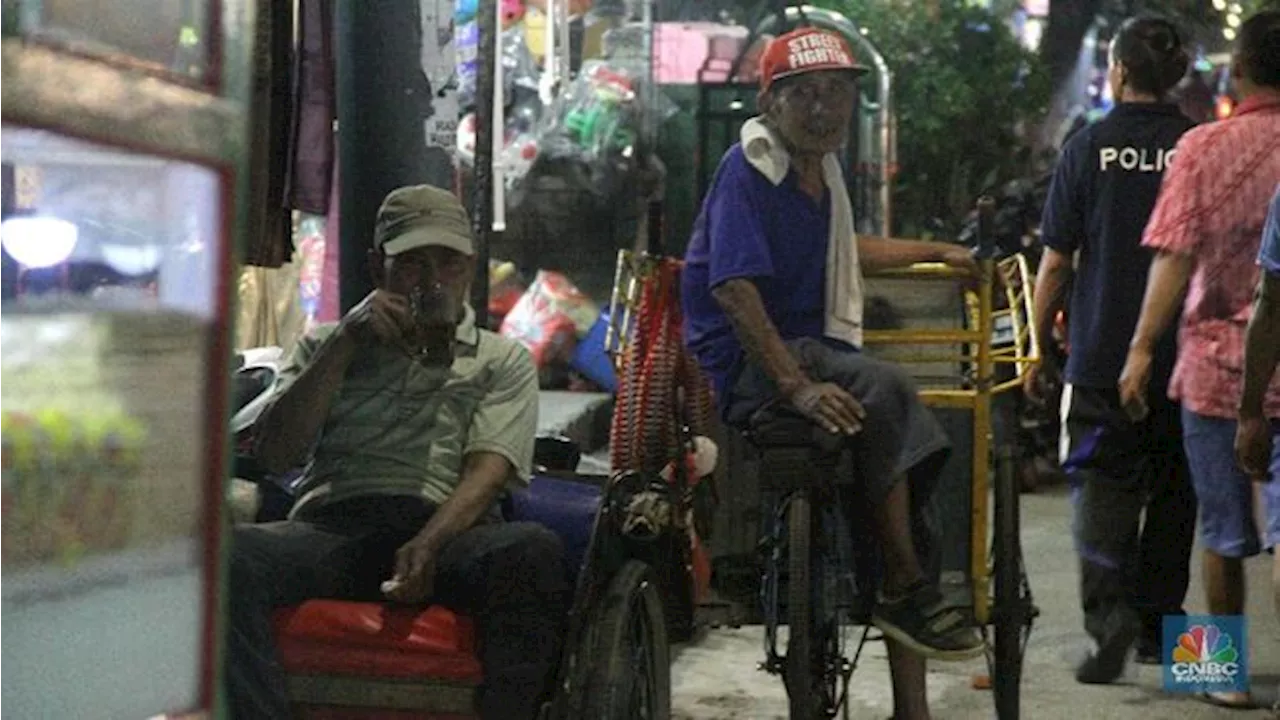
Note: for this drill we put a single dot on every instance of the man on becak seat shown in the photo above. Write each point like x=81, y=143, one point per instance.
x=413, y=421
x=773, y=302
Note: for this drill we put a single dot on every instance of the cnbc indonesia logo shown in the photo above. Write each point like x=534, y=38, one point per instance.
x=1205, y=655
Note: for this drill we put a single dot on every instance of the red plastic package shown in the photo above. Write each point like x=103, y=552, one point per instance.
x=546, y=318
x=505, y=288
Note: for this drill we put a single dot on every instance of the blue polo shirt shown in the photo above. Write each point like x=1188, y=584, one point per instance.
x=1269, y=254
x=775, y=236
x=1103, y=190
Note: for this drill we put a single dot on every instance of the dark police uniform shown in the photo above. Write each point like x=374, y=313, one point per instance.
x=1103, y=191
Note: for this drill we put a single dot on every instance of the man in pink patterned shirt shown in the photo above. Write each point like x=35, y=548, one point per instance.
x=1206, y=229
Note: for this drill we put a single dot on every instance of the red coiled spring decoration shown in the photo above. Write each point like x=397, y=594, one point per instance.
x=660, y=386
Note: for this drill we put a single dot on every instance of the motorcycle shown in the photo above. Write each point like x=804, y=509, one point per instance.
x=258, y=496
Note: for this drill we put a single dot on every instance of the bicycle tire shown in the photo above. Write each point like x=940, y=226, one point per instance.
x=799, y=667
x=1010, y=611
x=632, y=602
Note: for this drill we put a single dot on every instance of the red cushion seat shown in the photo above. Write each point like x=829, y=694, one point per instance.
x=333, y=637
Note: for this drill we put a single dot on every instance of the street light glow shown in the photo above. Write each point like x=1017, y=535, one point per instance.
x=39, y=242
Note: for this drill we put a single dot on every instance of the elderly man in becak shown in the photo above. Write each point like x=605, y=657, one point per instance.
x=411, y=421
x=772, y=293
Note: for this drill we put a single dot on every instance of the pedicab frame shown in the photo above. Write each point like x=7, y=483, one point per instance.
x=993, y=347
x=1000, y=599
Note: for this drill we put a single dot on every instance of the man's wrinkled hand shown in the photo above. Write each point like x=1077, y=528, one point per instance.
x=382, y=317
x=1134, y=382
x=830, y=406
x=415, y=576
x=1253, y=446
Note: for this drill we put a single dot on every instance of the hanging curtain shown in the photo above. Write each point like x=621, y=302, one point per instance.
x=268, y=230
x=311, y=155
x=269, y=312
x=330, y=287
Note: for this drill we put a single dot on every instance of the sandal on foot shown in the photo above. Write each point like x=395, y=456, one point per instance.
x=923, y=622
x=1217, y=700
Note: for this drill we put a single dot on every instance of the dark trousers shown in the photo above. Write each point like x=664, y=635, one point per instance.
x=509, y=577
x=1132, y=568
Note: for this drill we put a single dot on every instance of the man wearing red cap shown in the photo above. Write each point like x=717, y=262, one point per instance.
x=773, y=297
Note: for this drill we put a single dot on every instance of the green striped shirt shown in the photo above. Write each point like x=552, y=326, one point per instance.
x=399, y=428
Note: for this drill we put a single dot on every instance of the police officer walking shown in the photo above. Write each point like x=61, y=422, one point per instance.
x=1133, y=572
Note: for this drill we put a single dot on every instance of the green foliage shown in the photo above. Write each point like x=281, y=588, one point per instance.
x=966, y=92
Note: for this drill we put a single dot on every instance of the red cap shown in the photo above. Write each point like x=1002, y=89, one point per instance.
x=805, y=50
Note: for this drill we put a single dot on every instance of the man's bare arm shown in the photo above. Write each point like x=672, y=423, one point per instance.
x=1052, y=281
x=484, y=475
x=741, y=301
x=881, y=253
x=1262, y=345
x=288, y=427
x=1166, y=283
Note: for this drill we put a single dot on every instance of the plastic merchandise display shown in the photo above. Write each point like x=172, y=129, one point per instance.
x=520, y=149
x=464, y=11
x=601, y=112
x=595, y=140
x=522, y=114
x=520, y=72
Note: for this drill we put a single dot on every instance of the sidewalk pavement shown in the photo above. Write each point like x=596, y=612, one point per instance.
x=716, y=678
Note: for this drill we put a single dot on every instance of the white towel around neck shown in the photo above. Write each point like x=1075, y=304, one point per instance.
x=843, y=292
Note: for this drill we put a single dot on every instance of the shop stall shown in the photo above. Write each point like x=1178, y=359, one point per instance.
x=566, y=144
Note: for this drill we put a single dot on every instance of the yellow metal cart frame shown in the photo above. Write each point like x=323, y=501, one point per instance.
x=1011, y=276
x=1001, y=598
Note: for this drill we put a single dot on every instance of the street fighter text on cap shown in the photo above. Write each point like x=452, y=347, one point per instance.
x=816, y=49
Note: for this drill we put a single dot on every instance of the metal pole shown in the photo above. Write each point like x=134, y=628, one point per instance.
x=884, y=89
x=482, y=191
x=982, y=410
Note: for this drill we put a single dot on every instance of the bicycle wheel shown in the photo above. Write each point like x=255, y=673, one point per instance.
x=626, y=653
x=1012, y=613
x=800, y=627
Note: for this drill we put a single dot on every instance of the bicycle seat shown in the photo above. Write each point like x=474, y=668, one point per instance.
x=778, y=425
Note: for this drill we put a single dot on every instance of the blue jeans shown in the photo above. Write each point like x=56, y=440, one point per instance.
x=509, y=577
x=1227, y=521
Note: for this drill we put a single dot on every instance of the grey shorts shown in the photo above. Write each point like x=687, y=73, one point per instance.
x=900, y=436
x=901, y=440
